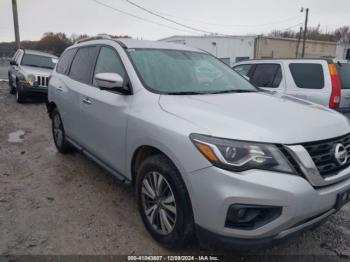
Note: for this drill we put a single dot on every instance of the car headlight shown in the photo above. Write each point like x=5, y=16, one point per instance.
x=31, y=79
x=240, y=155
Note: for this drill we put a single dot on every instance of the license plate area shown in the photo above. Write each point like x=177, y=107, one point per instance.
x=342, y=199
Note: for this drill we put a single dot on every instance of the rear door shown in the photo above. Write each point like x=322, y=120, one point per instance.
x=344, y=75
x=268, y=76
x=309, y=80
x=104, y=113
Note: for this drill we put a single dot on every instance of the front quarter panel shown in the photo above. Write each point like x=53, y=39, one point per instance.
x=149, y=125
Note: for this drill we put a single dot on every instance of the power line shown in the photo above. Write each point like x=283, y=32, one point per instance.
x=168, y=19
x=224, y=25
x=138, y=17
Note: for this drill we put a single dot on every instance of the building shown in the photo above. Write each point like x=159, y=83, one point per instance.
x=232, y=49
x=343, y=51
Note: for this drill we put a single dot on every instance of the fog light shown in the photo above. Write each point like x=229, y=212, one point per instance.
x=250, y=217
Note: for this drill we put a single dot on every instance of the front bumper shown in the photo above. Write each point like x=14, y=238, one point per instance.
x=213, y=190
x=34, y=90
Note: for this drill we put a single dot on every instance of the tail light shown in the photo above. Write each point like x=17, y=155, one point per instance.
x=334, y=101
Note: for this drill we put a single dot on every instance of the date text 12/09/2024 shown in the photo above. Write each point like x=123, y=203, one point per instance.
x=173, y=258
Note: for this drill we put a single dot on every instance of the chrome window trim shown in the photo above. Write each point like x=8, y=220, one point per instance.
x=309, y=169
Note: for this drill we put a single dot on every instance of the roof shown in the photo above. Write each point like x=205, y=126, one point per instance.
x=132, y=43
x=36, y=52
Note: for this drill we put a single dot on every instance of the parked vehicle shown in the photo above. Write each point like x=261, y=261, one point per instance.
x=316, y=80
x=212, y=156
x=29, y=73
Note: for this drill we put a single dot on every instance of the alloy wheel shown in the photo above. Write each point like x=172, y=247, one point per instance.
x=158, y=203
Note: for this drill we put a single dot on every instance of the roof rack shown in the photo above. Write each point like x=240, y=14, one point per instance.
x=100, y=36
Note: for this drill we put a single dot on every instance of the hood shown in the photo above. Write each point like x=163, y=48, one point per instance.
x=30, y=70
x=258, y=117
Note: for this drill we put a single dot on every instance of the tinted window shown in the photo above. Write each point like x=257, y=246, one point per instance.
x=65, y=60
x=267, y=75
x=344, y=74
x=307, y=75
x=108, y=61
x=243, y=69
x=82, y=64
x=38, y=61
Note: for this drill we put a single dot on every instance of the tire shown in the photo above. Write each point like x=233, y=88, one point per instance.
x=58, y=133
x=12, y=88
x=170, y=208
x=20, y=97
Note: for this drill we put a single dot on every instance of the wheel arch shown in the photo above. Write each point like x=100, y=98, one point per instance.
x=144, y=151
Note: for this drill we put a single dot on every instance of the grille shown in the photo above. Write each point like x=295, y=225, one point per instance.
x=322, y=154
x=42, y=80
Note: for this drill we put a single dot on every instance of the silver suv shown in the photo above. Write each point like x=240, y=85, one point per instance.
x=29, y=73
x=208, y=153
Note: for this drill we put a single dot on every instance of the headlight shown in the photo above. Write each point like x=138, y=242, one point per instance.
x=31, y=79
x=240, y=156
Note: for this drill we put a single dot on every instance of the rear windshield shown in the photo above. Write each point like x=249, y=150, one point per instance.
x=344, y=74
x=308, y=76
x=39, y=61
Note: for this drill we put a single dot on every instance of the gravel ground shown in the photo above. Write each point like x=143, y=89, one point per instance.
x=57, y=204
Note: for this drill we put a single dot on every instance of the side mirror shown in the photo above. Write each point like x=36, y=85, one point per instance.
x=109, y=80
x=13, y=62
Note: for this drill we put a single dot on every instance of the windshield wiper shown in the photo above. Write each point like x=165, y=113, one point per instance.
x=234, y=91
x=39, y=66
x=186, y=93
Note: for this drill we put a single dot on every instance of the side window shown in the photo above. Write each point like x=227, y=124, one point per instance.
x=108, y=61
x=82, y=64
x=308, y=76
x=64, y=62
x=243, y=69
x=267, y=75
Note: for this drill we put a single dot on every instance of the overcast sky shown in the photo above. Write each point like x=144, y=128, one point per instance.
x=235, y=17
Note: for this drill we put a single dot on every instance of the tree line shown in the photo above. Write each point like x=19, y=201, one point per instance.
x=341, y=34
x=54, y=43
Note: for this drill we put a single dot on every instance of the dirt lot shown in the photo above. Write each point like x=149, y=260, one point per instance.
x=65, y=204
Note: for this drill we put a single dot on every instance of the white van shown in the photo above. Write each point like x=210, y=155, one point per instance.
x=322, y=81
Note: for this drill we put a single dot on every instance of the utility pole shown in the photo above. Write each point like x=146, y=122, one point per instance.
x=305, y=30
x=299, y=38
x=15, y=22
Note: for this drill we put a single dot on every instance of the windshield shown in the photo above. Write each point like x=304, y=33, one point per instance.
x=344, y=74
x=185, y=72
x=38, y=61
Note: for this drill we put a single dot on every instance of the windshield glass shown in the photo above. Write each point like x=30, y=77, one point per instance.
x=38, y=61
x=344, y=74
x=185, y=72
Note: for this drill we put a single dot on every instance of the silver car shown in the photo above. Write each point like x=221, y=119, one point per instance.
x=29, y=73
x=209, y=156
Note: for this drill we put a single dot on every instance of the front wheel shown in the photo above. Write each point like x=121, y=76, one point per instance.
x=20, y=97
x=58, y=133
x=163, y=202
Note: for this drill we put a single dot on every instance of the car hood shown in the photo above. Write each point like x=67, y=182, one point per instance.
x=258, y=117
x=30, y=70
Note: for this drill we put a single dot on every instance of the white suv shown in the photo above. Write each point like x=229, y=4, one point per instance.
x=323, y=81
x=207, y=152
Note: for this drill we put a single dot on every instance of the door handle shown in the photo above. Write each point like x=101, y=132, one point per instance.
x=87, y=101
x=60, y=89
